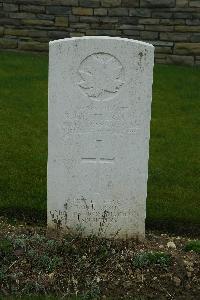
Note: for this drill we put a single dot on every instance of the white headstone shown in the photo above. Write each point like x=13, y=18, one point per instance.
x=100, y=91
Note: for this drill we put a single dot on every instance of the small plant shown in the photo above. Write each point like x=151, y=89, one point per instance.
x=151, y=258
x=20, y=242
x=52, y=246
x=44, y=262
x=193, y=245
x=32, y=254
x=37, y=239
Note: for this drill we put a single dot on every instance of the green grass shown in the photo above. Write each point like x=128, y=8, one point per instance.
x=23, y=131
x=193, y=245
x=174, y=176
x=174, y=179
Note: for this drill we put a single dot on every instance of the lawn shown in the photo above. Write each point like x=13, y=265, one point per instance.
x=174, y=179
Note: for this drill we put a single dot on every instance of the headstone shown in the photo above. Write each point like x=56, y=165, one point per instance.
x=100, y=91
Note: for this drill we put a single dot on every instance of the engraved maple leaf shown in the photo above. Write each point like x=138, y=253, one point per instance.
x=101, y=76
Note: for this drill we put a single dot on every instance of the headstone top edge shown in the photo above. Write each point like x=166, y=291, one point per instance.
x=51, y=43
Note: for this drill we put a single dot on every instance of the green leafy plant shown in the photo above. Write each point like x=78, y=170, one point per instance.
x=48, y=263
x=151, y=258
x=38, y=239
x=193, y=245
x=20, y=242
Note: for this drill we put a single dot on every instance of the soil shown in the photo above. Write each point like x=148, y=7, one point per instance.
x=31, y=262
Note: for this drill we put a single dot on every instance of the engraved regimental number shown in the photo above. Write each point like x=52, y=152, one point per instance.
x=101, y=76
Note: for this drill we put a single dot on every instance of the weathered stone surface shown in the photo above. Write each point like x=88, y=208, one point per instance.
x=160, y=61
x=180, y=59
x=187, y=28
x=61, y=21
x=76, y=34
x=184, y=15
x=195, y=37
x=135, y=27
x=187, y=48
x=25, y=32
x=148, y=35
x=6, y=43
x=131, y=33
x=58, y=10
x=139, y=12
x=22, y=15
x=172, y=21
x=1, y=31
x=104, y=26
x=82, y=11
x=100, y=11
x=118, y=11
x=46, y=2
x=175, y=36
x=127, y=26
x=130, y=3
x=89, y=19
x=128, y=20
x=45, y=17
x=55, y=34
x=162, y=43
x=157, y=3
x=60, y=2
x=159, y=28
x=79, y=25
x=193, y=22
x=109, y=20
x=89, y=3
x=182, y=3
x=103, y=32
x=161, y=56
x=32, y=8
x=148, y=21
x=167, y=50
x=73, y=18
x=37, y=22
x=161, y=14
x=9, y=21
x=110, y=3
x=64, y=2
x=3, y=14
x=33, y=46
x=194, y=3
x=10, y=7
x=99, y=135
x=159, y=20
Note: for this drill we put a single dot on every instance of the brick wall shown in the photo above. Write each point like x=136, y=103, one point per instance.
x=173, y=26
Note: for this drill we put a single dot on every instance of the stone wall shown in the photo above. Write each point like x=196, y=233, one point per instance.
x=173, y=26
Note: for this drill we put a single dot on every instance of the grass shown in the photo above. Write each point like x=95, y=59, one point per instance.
x=174, y=181
x=23, y=125
x=193, y=246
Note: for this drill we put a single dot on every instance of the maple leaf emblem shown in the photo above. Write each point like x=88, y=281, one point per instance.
x=101, y=75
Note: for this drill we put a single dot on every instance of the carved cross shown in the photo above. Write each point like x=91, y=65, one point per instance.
x=98, y=160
